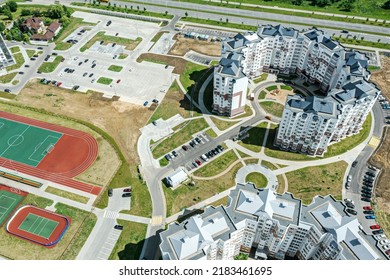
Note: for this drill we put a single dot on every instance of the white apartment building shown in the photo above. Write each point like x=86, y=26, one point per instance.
x=277, y=49
x=6, y=58
x=275, y=226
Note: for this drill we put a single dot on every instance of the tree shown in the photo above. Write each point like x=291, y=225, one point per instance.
x=25, y=12
x=2, y=26
x=8, y=13
x=379, y=40
x=297, y=2
x=65, y=21
x=347, y=5
x=166, y=12
x=138, y=8
x=386, y=5
x=8, y=36
x=144, y=9
x=26, y=38
x=12, y=6
x=227, y=20
x=55, y=12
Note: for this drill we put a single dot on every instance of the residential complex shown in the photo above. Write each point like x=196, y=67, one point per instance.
x=272, y=225
x=6, y=57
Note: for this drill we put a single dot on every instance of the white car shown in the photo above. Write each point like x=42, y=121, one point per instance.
x=379, y=236
x=349, y=178
x=386, y=247
x=348, y=200
x=384, y=241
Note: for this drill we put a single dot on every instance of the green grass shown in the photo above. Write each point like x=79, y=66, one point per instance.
x=115, y=68
x=308, y=182
x=217, y=165
x=32, y=199
x=222, y=23
x=123, y=56
x=268, y=164
x=383, y=219
x=108, y=39
x=63, y=46
x=248, y=112
x=163, y=162
x=180, y=137
x=286, y=87
x=66, y=194
x=222, y=201
x=262, y=78
x=191, y=74
x=104, y=80
x=256, y=137
x=358, y=42
x=15, y=82
x=48, y=67
x=187, y=195
x=242, y=154
x=7, y=95
x=158, y=36
x=7, y=78
x=372, y=68
x=272, y=108
x=210, y=132
x=14, y=49
x=130, y=242
x=258, y=179
x=19, y=60
x=30, y=53
x=221, y=124
x=262, y=94
x=271, y=88
x=251, y=161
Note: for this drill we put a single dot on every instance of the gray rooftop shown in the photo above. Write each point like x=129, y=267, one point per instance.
x=277, y=30
x=356, y=90
x=322, y=106
x=230, y=67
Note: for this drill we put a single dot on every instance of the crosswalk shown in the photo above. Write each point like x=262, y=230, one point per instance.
x=374, y=142
x=110, y=214
x=156, y=220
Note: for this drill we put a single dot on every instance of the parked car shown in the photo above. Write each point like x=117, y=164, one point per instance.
x=168, y=157
x=7, y=90
x=348, y=200
x=154, y=123
x=366, y=199
x=351, y=211
x=128, y=194
x=175, y=153
x=90, y=75
x=108, y=23
x=184, y=147
x=155, y=101
x=93, y=66
x=146, y=103
x=349, y=178
x=109, y=192
x=76, y=87
x=192, y=144
x=85, y=74
x=119, y=227
x=376, y=232
x=118, y=81
x=354, y=163
x=367, y=195
x=368, y=212
x=86, y=60
x=194, y=164
x=127, y=190
x=366, y=191
x=384, y=241
x=198, y=162
x=370, y=217
x=350, y=205
x=375, y=227
x=198, y=140
x=367, y=208
x=379, y=237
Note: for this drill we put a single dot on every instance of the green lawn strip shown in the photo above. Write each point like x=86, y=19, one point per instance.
x=272, y=108
x=108, y=39
x=358, y=42
x=123, y=56
x=7, y=78
x=48, y=67
x=242, y=154
x=115, y=68
x=19, y=60
x=130, y=242
x=248, y=112
x=180, y=137
x=372, y=68
x=271, y=88
x=269, y=165
x=14, y=49
x=262, y=94
x=65, y=32
x=210, y=132
x=286, y=87
x=174, y=102
x=63, y=46
x=262, y=78
x=281, y=184
x=30, y=53
x=258, y=179
x=163, y=162
x=217, y=165
x=383, y=219
x=222, y=201
x=221, y=124
x=158, y=36
x=66, y=194
x=191, y=74
x=220, y=23
x=83, y=223
x=104, y=80
x=322, y=180
x=251, y=161
x=187, y=195
x=256, y=137
x=15, y=82
x=32, y=199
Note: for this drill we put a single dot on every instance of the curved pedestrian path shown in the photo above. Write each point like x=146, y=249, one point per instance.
x=242, y=173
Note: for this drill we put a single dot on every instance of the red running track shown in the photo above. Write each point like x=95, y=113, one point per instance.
x=72, y=155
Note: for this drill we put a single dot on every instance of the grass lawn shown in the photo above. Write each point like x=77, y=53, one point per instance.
x=7, y=95
x=221, y=124
x=180, y=137
x=272, y=108
x=210, y=132
x=326, y=179
x=223, y=201
x=269, y=165
x=19, y=59
x=30, y=53
x=123, y=56
x=372, y=68
x=48, y=67
x=15, y=82
x=220, y=23
x=262, y=78
x=158, y=36
x=251, y=161
x=262, y=94
x=242, y=154
x=281, y=184
x=383, y=220
x=256, y=137
x=73, y=25
x=258, y=179
x=130, y=242
x=286, y=87
x=104, y=80
x=100, y=36
x=7, y=78
x=35, y=200
x=271, y=88
x=248, y=112
x=66, y=194
x=173, y=103
x=218, y=165
x=115, y=68
x=352, y=41
x=14, y=49
x=186, y=195
x=163, y=162
x=191, y=74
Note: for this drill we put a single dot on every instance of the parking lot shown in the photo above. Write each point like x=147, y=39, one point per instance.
x=211, y=32
x=202, y=59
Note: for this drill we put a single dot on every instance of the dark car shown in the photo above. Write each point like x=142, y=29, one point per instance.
x=128, y=194
x=168, y=157
x=85, y=74
x=155, y=101
x=370, y=174
x=354, y=163
x=146, y=103
x=7, y=90
x=198, y=140
x=76, y=87
x=118, y=227
x=376, y=232
x=368, y=212
x=350, y=205
x=27, y=65
x=108, y=23
x=113, y=45
x=21, y=73
x=40, y=48
x=109, y=192
x=86, y=60
x=184, y=147
x=166, y=66
x=351, y=211
x=54, y=53
x=192, y=144
x=194, y=164
x=366, y=191
x=101, y=42
x=33, y=58
x=90, y=75
x=175, y=153
x=366, y=195
x=127, y=190
x=154, y=123
x=93, y=65
x=366, y=199
x=80, y=63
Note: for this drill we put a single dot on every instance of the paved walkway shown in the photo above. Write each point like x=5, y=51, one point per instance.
x=268, y=173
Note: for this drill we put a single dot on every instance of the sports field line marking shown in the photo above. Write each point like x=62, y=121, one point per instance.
x=40, y=145
x=39, y=233
x=38, y=226
x=32, y=224
x=9, y=146
x=1, y=124
x=6, y=208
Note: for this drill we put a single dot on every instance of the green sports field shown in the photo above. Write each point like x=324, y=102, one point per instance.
x=8, y=202
x=24, y=143
x=38, y=225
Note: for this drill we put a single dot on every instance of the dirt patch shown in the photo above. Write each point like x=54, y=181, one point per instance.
x=382, y=156
x=119, y=119
x=177, y=62
x=184, y=45
x=279, y=95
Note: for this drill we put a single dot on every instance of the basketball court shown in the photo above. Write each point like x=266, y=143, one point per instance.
x=25, y=143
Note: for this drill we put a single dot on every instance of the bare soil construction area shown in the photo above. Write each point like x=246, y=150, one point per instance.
x=382, y=156
x=183, y=45
x=119, y=119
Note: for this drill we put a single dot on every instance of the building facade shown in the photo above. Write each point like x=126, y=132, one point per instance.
x=6, y=58
x=272, y=226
